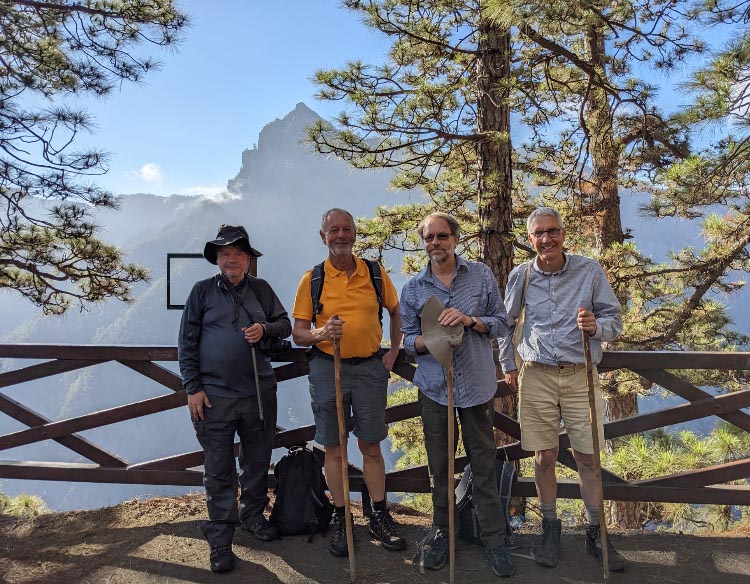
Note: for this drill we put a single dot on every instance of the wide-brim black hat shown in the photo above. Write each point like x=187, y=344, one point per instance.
x=229, y=235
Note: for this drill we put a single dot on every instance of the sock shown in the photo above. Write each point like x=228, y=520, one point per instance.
x=379, y=506
x=592, y=515
x=339, y=511
x=549, y=510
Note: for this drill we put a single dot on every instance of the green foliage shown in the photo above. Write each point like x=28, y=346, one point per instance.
x=49, y=250
x=660, y=453
x=22, y=505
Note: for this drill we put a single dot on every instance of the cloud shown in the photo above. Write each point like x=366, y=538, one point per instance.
x=150, y=172
x=212, y=192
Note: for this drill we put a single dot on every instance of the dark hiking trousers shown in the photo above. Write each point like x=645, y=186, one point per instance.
x=216, y=434
x=479, y=442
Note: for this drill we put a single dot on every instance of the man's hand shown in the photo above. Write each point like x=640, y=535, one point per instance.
x=511, y=378
x=587, y=321
x=451, y=316
x=196, y=401
x=333, y=329
x=254, y=333
x=390, y=358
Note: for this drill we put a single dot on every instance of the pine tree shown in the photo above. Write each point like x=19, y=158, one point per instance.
x=49, y=249
x=439, y=112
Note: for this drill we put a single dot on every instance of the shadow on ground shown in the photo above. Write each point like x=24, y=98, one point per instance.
x=158, y=541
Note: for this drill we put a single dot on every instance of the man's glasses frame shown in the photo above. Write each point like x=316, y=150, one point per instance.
x=554, y=233
x=438, y=236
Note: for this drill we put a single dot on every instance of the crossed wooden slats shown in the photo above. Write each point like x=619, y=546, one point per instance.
x=698, y=486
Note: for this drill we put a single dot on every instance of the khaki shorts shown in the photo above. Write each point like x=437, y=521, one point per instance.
x=550, y=393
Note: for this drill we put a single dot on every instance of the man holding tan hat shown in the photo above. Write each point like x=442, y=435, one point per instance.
x=471, y=313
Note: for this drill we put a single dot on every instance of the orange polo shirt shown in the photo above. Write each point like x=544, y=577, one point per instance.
x=354, y=301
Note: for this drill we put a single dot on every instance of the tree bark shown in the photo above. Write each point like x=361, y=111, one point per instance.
x=604, y=203
x=495, y=180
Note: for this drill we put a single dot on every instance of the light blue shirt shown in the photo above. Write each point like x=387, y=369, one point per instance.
x=474, y=292
x=550, y=332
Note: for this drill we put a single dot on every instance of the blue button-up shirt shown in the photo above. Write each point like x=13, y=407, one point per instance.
x=550, y=332
x=474, y=292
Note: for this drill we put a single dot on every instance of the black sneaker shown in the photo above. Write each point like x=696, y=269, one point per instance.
x=547, y=552
x=594, y=548
x=383, y=527
x=437, y=555
x=222, y=558
x=500, y=561
x=261, y=529
x=337, y=532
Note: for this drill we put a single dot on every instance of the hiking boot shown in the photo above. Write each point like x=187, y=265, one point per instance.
x=383, y=527
x=437, y=555
x=594, y=548
x=338, y=545
x=222, y=558
x=547, y=552
x=500, y=561
x=261, y=529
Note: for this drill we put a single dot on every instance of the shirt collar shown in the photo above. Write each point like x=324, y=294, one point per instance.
x=558, y=272
x=333, y=272
x=426, y=273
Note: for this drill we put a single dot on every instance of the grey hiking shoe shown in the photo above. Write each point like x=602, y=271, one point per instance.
x=337, y=545
x=383, y=527
x=500, y=561
x=594, y=548
x=547, y=552
x=437, y=555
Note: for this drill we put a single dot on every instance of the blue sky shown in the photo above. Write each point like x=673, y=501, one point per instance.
x=241, y=65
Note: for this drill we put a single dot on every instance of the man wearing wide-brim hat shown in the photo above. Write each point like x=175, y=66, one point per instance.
x=462, y=298
x=228, y=318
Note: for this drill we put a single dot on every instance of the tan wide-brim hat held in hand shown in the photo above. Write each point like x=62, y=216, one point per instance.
x=440, y=340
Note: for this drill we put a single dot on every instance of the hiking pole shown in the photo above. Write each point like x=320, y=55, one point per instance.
x=597, y=458
x=257, y=388
x=344, y=457
x=451, y=480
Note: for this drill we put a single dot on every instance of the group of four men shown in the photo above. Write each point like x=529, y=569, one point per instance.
x=231, y=314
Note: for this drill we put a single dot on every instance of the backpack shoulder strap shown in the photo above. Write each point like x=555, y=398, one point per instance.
x=377, y=282
x=316, y=288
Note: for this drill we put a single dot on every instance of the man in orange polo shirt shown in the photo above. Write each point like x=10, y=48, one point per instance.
x=348, y=293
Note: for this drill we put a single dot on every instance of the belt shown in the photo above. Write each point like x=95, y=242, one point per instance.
x=315, y=352
x=559, y=368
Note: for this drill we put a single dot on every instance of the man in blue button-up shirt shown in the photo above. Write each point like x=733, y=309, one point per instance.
x=471, y=298
x=565, y=294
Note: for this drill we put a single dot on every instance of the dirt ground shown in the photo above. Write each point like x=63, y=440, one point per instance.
x=159, y=541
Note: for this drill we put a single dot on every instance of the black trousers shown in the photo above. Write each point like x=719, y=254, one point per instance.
x=479, y=442
x=216, y=434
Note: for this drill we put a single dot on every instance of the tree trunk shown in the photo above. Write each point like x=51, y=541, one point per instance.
x=604, y=202
x=495, y=181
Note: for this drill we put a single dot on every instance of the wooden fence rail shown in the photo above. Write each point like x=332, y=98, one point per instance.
x=704, y=485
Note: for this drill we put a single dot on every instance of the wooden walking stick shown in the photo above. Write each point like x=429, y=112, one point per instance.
x=597, y=458
x=344, y=457
x=451, y=480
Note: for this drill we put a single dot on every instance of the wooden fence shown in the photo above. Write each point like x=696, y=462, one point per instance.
x=705, y=485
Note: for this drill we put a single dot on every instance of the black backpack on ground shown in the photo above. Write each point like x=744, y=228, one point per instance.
x=301, y=506
x=466, y=513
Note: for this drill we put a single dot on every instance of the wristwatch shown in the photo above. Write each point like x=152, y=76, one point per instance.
x=473, y=322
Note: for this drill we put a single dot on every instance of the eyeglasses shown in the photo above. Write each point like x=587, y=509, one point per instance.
x=554, y=233
x=440, y=236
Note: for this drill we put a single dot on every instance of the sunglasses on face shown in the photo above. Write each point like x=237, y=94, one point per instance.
x=439, y=236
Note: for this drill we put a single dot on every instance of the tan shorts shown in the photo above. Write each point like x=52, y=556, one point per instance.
x=550, y=393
